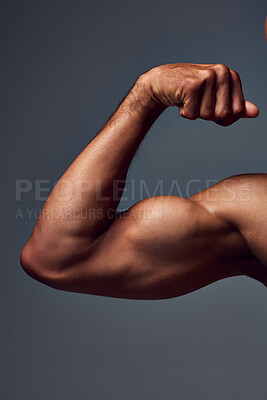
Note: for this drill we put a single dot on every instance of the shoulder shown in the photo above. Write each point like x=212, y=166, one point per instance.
x=234, y=196
x=240, y=201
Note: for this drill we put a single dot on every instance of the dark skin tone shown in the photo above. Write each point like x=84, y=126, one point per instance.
x=163, y=246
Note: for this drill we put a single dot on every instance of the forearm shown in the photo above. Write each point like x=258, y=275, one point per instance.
x=87, y=195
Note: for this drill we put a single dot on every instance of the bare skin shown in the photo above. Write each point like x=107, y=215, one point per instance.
x=163, y=246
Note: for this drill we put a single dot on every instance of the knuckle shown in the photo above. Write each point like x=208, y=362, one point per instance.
x=235, y=75
x=222, y=70
x=208, y=74
x=221, y=67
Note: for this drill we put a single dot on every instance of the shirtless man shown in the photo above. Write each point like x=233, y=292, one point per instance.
x=163, y=246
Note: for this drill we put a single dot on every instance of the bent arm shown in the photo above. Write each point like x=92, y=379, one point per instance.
x=160, y=247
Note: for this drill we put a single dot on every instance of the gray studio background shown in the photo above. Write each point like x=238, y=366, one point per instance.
x=65, y=66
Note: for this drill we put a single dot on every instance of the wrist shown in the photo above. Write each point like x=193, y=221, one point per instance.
x=144, y=87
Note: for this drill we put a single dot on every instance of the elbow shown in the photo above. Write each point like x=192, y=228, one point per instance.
x=36, y=265
x=26, y=259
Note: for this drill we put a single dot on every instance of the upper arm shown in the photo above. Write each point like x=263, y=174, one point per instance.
x=161, y=247
x=148, y=251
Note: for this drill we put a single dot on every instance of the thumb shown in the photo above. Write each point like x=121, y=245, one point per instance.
x=251, y=110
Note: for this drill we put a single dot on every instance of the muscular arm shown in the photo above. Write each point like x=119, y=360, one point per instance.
x=163, y=246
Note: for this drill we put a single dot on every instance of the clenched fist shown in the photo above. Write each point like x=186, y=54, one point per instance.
x=209, y=91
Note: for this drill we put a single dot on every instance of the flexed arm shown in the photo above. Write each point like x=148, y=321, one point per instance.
x=75, y=245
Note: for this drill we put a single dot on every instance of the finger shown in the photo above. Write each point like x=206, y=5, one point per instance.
x=190, y=109
x=208, y=96
x=238, y=101
x=241, y=108
x=223, y=100
x=251, y=110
